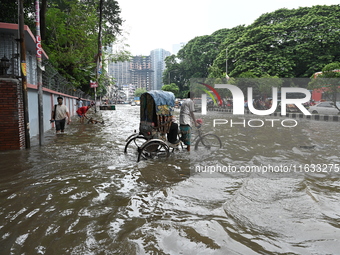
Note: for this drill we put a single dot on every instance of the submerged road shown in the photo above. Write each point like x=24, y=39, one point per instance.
x=80, y=194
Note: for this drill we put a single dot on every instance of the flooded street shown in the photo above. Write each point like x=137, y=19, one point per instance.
x=80, y=194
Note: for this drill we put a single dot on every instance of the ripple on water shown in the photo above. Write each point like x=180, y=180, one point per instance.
x=80, y=194
x=279, y=216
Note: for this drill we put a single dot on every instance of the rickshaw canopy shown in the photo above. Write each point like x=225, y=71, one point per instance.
x=156, y=102
x=162, y=97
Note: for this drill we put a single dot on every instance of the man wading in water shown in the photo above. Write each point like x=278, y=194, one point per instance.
x=185, y=116
x=59, y=115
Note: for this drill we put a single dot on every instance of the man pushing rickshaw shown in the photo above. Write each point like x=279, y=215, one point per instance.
x=158, y=132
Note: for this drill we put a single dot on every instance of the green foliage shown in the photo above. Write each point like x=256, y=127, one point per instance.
x=218, y=68
x=328, y=81
x=289, y=43
x=174, y=73
x=72, y=39
x=139, y=92
x=112, y=22
x=9, y=12
x=331, y=70
x=193, y=60
x=69, y=30
x=285, y=43
x=266, y=84
x=172, y=88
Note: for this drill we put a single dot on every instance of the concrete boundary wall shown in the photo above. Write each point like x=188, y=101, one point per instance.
x=49, y=100
x=12, y=132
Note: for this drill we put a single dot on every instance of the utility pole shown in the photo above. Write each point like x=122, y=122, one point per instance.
x=23, y=73
x=99, y=56
x=226, y=63
x=39, y=74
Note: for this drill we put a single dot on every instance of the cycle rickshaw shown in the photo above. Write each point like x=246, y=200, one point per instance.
x=156, y=112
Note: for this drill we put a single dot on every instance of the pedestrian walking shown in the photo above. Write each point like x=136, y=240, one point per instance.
x=185, y=117
x=59, y=114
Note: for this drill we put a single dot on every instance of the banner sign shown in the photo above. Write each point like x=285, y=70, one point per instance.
x=93, y=84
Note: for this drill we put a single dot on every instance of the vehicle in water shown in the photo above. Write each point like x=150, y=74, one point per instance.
x=156, y=117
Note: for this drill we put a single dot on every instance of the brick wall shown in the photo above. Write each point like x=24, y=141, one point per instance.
x=12, y=129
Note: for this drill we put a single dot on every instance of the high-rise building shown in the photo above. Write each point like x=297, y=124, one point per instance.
x=177, y=47
x=158, y=66
x=141, y=72
x=120, y=72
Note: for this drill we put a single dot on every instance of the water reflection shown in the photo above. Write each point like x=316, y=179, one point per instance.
x=80, y=194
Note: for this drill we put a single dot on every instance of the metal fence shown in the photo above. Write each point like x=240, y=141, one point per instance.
x=9, y=48
x=55, y=81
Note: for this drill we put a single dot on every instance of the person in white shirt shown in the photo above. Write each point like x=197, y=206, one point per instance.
x=59, y=114
x=185, y=117
x=79, y=103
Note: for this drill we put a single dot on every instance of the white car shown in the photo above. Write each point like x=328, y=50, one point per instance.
x=327, y=108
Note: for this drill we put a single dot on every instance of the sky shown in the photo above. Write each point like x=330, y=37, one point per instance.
x=154, y=24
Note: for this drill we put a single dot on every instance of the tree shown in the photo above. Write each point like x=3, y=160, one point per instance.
x=172, y=88
x=193, y=60
x=229, y=42
x=72, y=38
x=289, y=43
x=9, y=12
x=72, y=43
x=328, y=81
x=285, y=43
x=139, y=92
x=111, y=14
x=266, y=84
x=112, y=21
x=174, y=73
x=69, y=30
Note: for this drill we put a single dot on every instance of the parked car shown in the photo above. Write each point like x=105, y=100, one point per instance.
x=133, y=103
x=325, y=108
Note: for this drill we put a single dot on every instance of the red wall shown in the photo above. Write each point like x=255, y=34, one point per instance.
x=12, y=131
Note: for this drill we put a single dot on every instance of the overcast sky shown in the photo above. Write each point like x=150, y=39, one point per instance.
x=153, y=24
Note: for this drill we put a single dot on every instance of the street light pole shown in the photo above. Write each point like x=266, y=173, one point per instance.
x=226, y=63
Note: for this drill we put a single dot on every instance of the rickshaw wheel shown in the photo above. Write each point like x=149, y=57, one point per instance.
x=153, y=150
x=134, y=143
x=208, y=142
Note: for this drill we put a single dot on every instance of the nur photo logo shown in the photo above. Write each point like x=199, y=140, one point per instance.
x=264, y=97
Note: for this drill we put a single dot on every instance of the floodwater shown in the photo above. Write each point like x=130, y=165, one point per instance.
x=80, y=194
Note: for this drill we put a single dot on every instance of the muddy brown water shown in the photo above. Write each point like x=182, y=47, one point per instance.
x=80, y=194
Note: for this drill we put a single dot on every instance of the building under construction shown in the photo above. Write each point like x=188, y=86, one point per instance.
x=141, y=72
